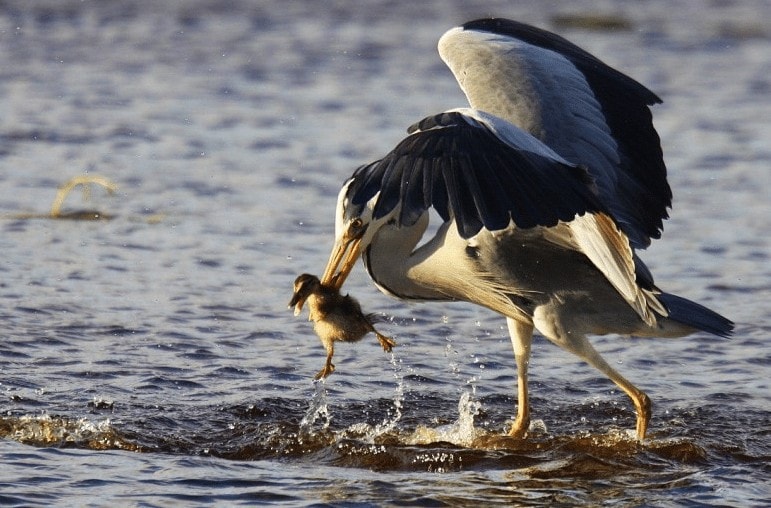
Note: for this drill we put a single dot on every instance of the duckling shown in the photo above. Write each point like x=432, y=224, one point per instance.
x=335, y=317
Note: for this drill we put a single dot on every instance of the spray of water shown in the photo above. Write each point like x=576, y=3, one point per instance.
x=462, y=432
x=395, y=414
x=317, y=409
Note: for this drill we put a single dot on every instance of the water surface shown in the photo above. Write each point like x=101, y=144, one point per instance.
x=150, y=359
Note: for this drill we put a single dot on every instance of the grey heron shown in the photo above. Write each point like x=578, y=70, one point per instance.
x=546, y=187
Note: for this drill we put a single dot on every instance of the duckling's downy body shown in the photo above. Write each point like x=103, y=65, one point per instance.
x=335, y=317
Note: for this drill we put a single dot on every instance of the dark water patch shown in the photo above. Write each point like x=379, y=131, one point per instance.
x=201, y=354
x=229, y=372
x=417, y=379
x=100, y=405
x=205, y=189
x=13, y=354
x=222, y=311
x=74, y=215
x=99, y=375
x=209, y=263
x=159, y=383
x=31, y=310
x=134, y=133
x=141, y=247
x=263, y=145
x=22, y=401
x=43, y=136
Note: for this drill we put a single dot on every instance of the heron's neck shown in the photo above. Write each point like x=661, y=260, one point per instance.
x=396, y=266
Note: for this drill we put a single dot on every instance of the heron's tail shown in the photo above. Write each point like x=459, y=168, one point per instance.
x=696, y=316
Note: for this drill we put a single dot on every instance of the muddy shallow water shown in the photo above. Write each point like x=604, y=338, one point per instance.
x=150, y=359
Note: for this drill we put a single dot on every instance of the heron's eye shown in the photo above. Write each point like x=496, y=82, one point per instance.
x=357, y=223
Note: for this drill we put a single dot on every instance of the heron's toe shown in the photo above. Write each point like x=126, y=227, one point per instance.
x=519, y=429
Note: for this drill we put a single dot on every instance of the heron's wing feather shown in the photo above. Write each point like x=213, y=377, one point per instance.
x=480, y=171
x=483, y=172
x=586, y=111
x=599, y=238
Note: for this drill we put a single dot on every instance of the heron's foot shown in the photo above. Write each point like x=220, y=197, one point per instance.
x=328, y=369
x=519, y=428
x=642, y=404
x=386, y=342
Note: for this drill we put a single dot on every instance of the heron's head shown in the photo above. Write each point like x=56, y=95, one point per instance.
x=355, y=227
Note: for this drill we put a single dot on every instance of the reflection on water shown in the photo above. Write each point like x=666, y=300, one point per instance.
x=150, y=359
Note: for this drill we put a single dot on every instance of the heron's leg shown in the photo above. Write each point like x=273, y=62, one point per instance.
x=581, y=347
x=521, y=339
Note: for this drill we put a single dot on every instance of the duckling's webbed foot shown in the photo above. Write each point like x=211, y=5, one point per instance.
x=386, y=342
x=328, y=369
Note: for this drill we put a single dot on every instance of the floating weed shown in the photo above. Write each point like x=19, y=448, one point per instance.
x=84, y=181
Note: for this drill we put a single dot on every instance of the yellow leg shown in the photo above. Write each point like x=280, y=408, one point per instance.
x=521, y=339
x=580, y=346
x=642, y=403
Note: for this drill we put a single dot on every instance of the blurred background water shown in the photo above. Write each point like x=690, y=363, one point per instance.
x=150, y=359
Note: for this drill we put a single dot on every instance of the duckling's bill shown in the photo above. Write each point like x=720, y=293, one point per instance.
x=297, y=302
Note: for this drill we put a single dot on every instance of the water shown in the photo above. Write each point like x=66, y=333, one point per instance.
x=150, y=359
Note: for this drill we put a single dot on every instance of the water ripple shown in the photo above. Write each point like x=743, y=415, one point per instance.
x=150, y=359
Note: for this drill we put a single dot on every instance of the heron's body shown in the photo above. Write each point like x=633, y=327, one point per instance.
x=521, y=267
x=545, y=188
x=336, y=317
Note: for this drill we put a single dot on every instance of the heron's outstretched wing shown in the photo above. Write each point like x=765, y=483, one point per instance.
x=479, y=170
x=586, y=111
x=484, y=172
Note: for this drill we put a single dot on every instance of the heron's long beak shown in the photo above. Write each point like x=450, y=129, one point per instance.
x=344, y=255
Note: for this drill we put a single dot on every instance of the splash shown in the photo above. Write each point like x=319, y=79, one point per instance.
x=395, y=414
x=461, y=433
x=318, y=409
x=48, y=430
x=370, y=434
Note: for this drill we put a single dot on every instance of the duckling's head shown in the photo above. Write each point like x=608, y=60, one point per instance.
x=304, y=286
